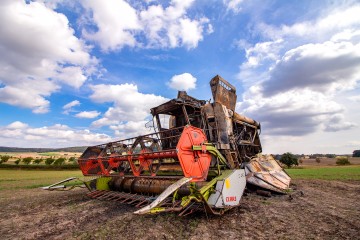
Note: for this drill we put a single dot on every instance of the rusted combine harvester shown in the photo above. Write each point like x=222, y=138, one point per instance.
x=201, y=158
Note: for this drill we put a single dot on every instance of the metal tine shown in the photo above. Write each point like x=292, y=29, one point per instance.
x=123, y=197
x=120, y=197
x=143, y=203
x=126, y=199
x=90, y=194
x=97, y=194
x=136, y=198
x=102, y=195
x=108, y=196
x=140, y=198
x=105, y=195
x=114, y=197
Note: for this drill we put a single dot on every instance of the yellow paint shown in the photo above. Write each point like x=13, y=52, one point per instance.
x=227, y=183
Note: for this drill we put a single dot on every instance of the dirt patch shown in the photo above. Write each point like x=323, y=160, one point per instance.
x=325, y=210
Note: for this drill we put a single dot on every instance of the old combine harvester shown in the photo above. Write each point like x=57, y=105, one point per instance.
x=201, y=158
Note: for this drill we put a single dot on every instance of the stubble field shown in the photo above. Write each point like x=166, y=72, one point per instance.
x=323, y=205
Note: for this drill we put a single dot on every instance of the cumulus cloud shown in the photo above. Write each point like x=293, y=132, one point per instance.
x=328, y=24
x=337, y=123
x=17, y=125
x=355, y=98
x=58, y=135
x=69, y=106
x=324, y=67
x=87, y=114
x=330, y=31
x=182, y=82
x=289, y=113
x=31, y=70
x=233, y=5
x=130, y=129
x=115, y=24
x=171, y=26
x=128, y=103
x=297, y=73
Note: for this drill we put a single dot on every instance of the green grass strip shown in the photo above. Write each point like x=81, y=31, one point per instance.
x=326, y=173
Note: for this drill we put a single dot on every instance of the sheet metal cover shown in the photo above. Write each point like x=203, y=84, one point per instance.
x=265, y=172
x=229, y=190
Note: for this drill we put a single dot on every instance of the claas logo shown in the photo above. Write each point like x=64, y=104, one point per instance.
x=231, y=199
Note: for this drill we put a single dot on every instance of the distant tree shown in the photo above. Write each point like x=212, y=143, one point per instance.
x=330, y=155
x=356, y=153
x=27, y=160
x=4, y=158
x=72, y=159
x=49, y=161
x=317, y=160
x=289, y=159
x=38, y=161
x=17, y=161
x=60, y=161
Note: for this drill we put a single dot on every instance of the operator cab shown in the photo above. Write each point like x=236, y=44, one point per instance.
x=177, y=113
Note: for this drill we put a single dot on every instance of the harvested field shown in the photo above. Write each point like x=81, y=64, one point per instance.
x=318, y=209
x=326, y=161
x=35, y=155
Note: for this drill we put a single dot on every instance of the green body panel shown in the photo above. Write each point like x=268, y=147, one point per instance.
x=101, y=183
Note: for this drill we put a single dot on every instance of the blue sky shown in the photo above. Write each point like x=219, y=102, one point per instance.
x=87, y=72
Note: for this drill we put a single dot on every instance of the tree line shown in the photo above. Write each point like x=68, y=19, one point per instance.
x=48, y=161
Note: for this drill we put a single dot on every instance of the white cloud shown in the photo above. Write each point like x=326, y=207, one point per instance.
x=328, y=24
x=104, y=122
x=337, y=123
x=69, y=106
x=151, y=25
x=295, y=75
x=183, y=82
x=339, y=27
x=72, y=76
x=355, y=98
x=53, y=4
x=233, y=5
x=262, y=51
x=27, y=95
x=18, y=134
x=130, y=129
x=31, y=70
x=116, y=21
x=128, y=103
x=293, y=113
x=325, y=67
x=171, y=27
x=87, y=114
x=17, y=125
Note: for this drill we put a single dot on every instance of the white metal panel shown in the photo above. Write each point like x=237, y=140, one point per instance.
x=233, y=188
x=216, y=197
x=229, y=191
